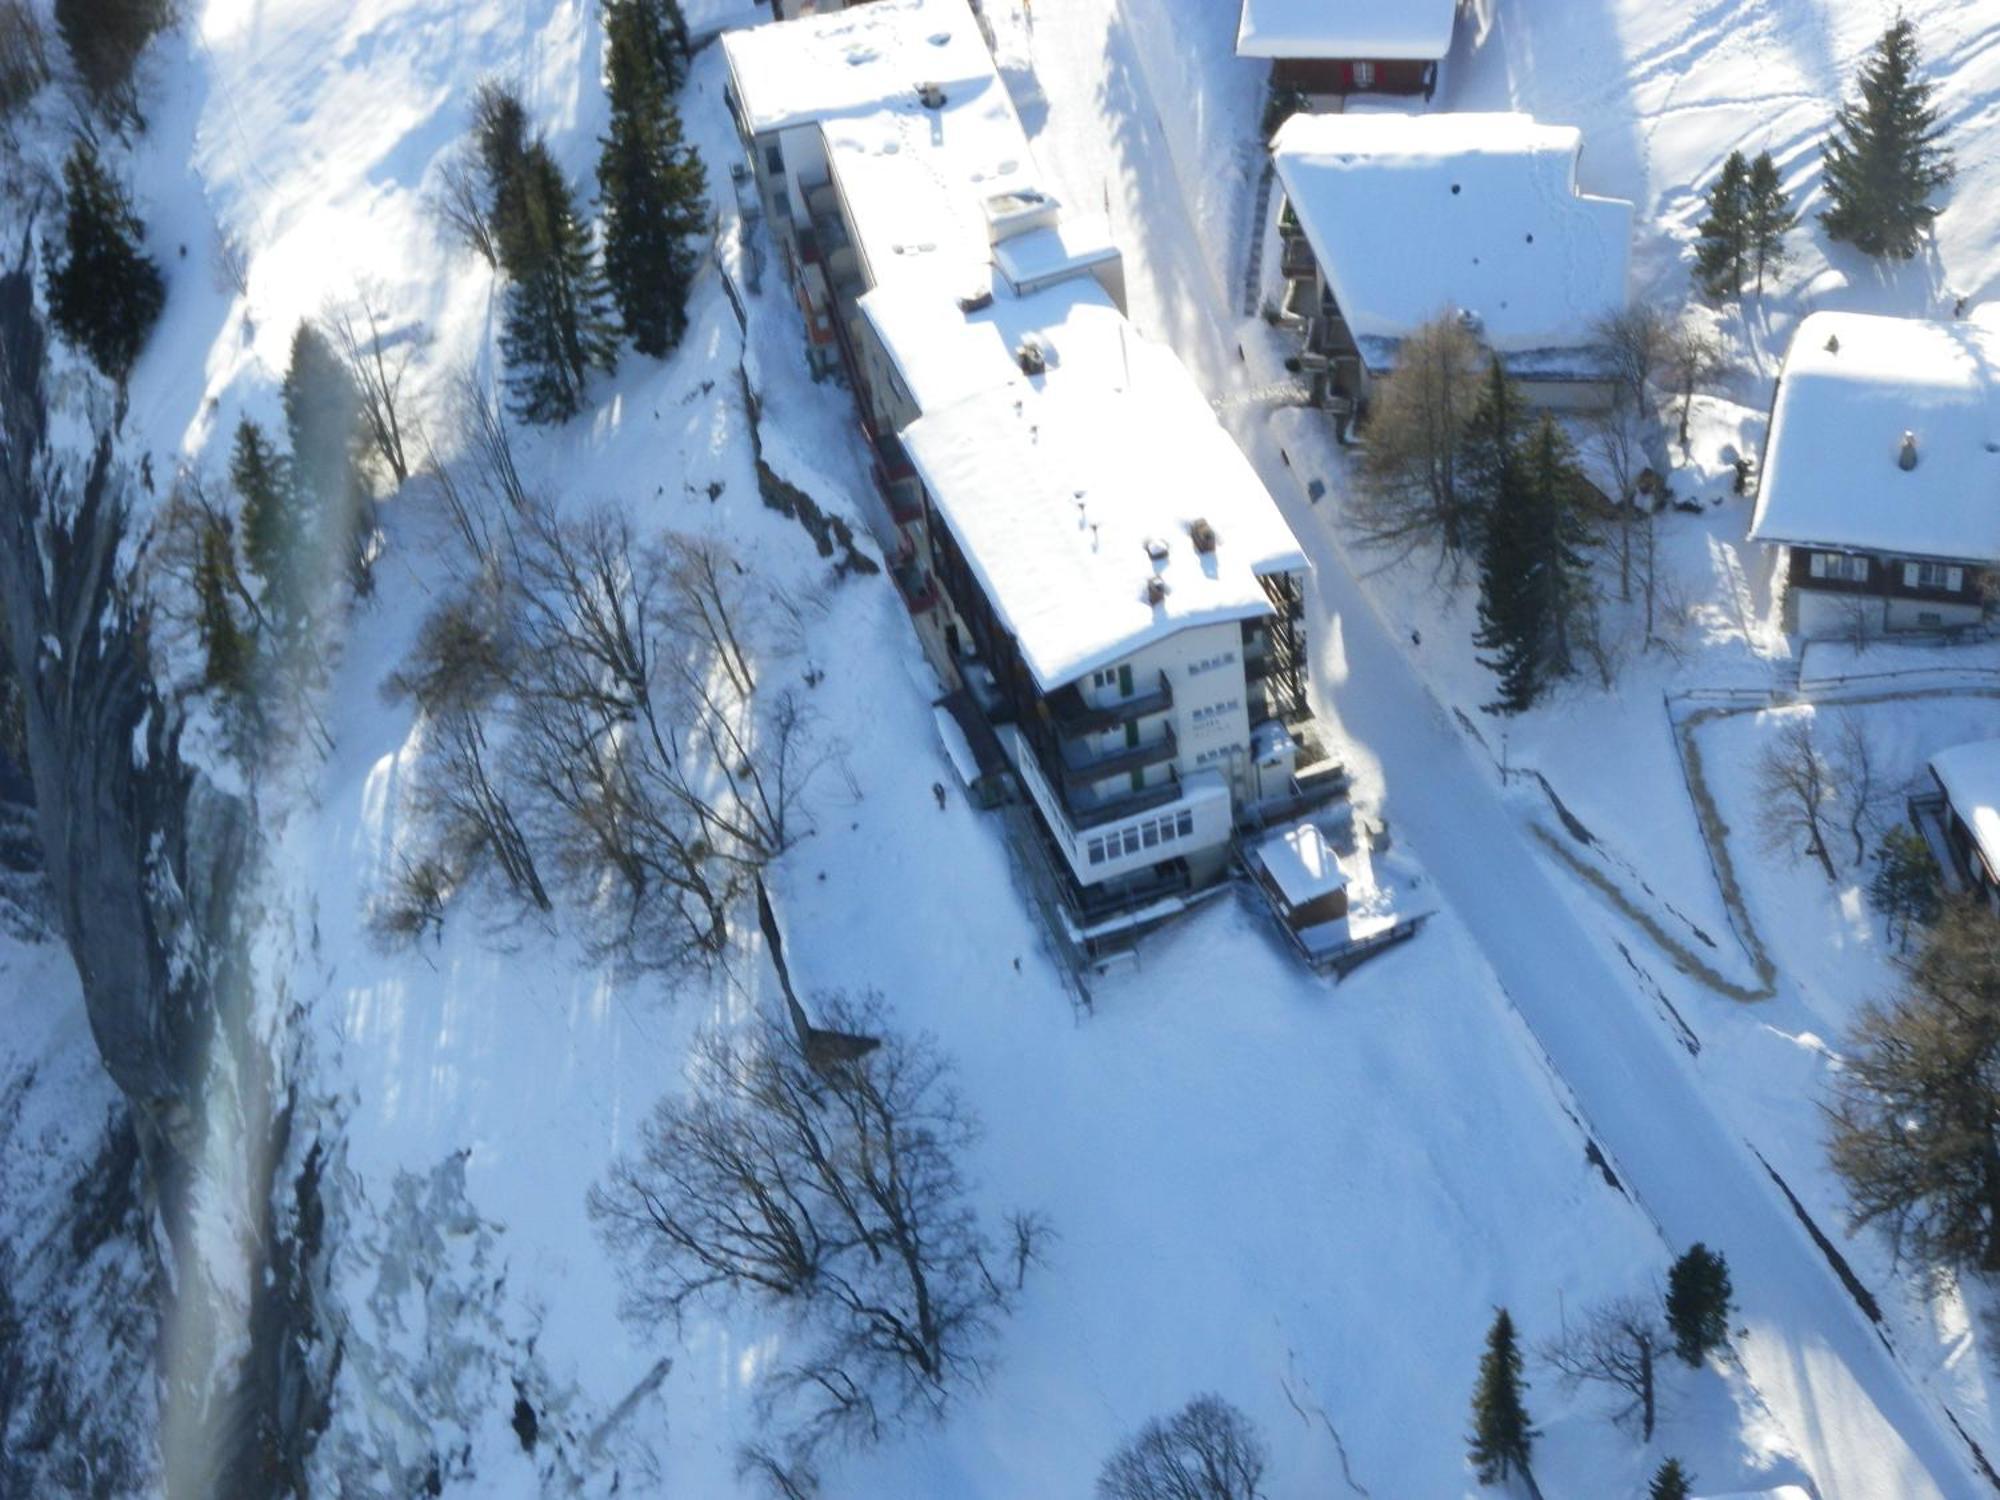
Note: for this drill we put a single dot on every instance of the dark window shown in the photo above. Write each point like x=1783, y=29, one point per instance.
x=774, y=161
x=1125, y=680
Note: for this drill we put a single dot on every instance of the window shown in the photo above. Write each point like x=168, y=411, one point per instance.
x=1933, y=576
x=1184, y=824
x=1838, y=567
x=1125, y=681
x=1210, y=663
x=774, y=161
x=1364, y=75
x=1097, y=851
x=1149, y=835
x=1131, y=841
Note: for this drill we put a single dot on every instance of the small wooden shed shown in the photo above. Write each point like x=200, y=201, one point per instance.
x=1302, y=877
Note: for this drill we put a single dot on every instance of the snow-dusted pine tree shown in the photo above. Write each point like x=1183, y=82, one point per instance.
x=1724, y=244
x=1883, y=159
x=105, y=293
x=558, y=321
x=1502, y=1438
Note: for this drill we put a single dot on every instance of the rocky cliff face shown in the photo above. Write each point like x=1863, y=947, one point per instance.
x=149, y=866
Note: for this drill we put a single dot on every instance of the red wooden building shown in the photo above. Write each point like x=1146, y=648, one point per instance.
x=1326, y=50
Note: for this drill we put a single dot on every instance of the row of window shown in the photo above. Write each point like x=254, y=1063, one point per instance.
x=1210, y=663
x=1147, y=835
x=1841, y=567
x=1220, y=752
x=1215, y=710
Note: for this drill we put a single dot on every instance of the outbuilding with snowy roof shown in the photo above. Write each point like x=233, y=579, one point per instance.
x=1328, y=49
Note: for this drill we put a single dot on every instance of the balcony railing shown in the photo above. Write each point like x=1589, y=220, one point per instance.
x=1071, y=714
x=1296, y=261
x=1087, y=812
x=1081, y=769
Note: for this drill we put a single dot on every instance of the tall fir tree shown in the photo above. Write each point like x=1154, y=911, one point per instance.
x=105, y=293
x=1698, y=1303
x=1531, y=570
x=1502, y=1439
x=1724, y=244
x=1884, y=160
x=651, y=183
x=323, y=420
x=500, y=131
x=105, y=38
x=558, y=320
x=1769, y=219
x=1670, y=1482
x=270, y=524
x=225, y=645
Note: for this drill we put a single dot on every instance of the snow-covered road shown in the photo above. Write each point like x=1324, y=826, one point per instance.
x=1858, y=1418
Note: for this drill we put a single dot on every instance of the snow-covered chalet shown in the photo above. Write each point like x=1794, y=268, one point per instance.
x=1326, y=50
x=1961, y=819
x=1390, y=221
x=1091, y=563
x=1881, y=473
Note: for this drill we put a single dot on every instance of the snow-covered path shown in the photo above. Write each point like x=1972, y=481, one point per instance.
x=1863, y=1427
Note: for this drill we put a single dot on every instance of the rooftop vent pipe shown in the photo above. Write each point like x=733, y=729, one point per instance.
x=1203, y=536
x=1032, y=360
x=930, y=95
x=1156, y=590
x=1833, y=343
x=1907, y=459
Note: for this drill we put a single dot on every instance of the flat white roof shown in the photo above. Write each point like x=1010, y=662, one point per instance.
x=1056, y=485
x=1852, y=385
x=943, y=355
x=1075, y=243
x=1411, y=216
x=1363, y=29
x=809, y=70
x=1301, y=864
x=1970, y=776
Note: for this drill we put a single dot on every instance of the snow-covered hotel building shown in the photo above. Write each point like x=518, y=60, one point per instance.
x=1087, y=554
x=1880, y=484
x=1391, y=220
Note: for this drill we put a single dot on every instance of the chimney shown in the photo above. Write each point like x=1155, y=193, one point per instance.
x=1203, y=536
x=1156, y=590
x=1907, y=459
x=1833, y=343
x=930, y=95
x=1032, y=360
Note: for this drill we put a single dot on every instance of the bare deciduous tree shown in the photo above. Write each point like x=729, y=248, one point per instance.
x=1208, y=1450
x=460, y=203
x=1695, y=359
x=1797, y=793
x=1413, y=497
x=1618, y=1343
x=378, y=363
x=1859, y=780
x=834, y=1190
x=1638, y=343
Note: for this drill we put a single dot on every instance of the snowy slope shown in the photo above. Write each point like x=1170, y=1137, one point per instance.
x=1307, y=1198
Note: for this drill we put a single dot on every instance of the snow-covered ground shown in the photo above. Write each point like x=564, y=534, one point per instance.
x=1303, y=1196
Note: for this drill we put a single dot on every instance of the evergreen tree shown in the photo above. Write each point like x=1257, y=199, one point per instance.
x=558, y=325
x=1698, y=1303
x=500, y=131
x=1905, y=888
x=1531, y=567
x=323, y=419
x=105, y=38
x=226, y=647
x=270, y=525
x=662, y=30
x=1502, y=1438
x=651, y=182
x=1671, y=1482
x=1770, y=217
x=1724, y=245
x=1884, y=160
x=105, y=293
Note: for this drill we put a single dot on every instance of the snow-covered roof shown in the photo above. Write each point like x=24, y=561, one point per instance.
x=818, y=67
x=942, y=354
x=1970, y=776
x=1411, y=216
x=1074, y=244
x=917, y=169
x=1301, y=864
x=1368, y=29
x=1853, y=384
x=1060, y=486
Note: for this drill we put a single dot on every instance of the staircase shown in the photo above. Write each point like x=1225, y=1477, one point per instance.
x=1260, y=216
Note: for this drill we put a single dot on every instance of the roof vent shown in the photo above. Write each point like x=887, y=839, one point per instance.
x=1033, y=361
x=1907, y=459
x=930, y=95
x=1156, y=549
x=977, y=302
x=1833, y=343
x=1156, y=590
x=1203, y=536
